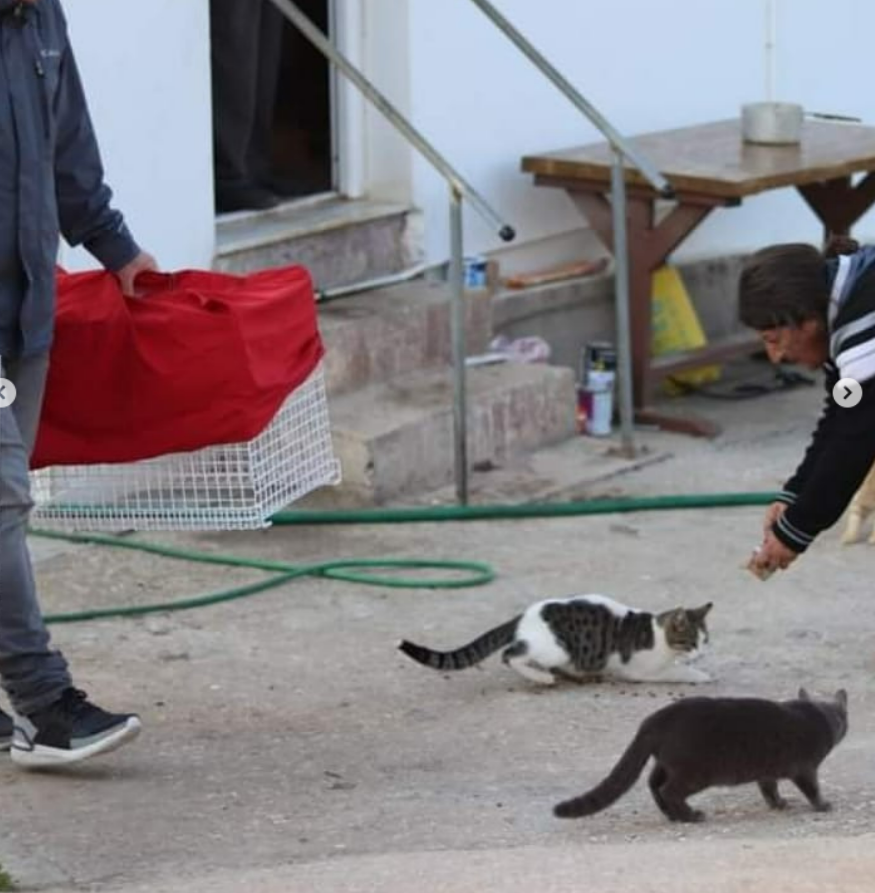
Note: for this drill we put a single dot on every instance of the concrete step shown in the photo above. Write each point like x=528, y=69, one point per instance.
x=375, y=336
x=340, y=241
x=396, y=439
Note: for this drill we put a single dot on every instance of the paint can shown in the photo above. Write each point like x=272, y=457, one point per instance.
x=601, y=412
x=595, y=409
x=598, y=375
x=474, y=273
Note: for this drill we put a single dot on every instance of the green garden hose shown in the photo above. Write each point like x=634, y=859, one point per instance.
x=364, y=571
x=523, y=510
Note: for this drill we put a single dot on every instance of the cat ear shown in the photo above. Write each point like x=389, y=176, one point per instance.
x=803, y=695
x=674, y=618
x=842, y=698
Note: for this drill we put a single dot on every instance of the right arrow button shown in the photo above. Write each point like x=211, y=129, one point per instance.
x=847, y=393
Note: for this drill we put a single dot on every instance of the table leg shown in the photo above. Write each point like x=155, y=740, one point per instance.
x=642, y=263
x=650, y=244
x=839, y=204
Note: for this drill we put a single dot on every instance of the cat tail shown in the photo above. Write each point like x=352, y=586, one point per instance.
x=467, y=655
x=618, y=782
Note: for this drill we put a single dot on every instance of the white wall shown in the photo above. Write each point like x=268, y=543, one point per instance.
x=387, y=158
x=146, y=71
x=645, y=65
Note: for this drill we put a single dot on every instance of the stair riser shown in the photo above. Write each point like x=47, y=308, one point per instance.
x=419, y=456
x=338, y=257
x=364, y=349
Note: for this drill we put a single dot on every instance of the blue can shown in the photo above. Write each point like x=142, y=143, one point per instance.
x=474, y=272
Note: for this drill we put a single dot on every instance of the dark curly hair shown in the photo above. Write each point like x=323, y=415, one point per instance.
x=785, y=285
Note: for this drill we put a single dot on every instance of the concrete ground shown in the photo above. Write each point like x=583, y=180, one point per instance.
x=288, y=746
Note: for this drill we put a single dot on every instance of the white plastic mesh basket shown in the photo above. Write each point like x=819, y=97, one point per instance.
x=229, y=487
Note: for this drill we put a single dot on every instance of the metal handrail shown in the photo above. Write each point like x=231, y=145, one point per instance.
x=621, y=147
x=459, y=189
x=447, y=171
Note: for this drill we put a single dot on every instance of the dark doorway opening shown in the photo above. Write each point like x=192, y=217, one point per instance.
x=301, y=141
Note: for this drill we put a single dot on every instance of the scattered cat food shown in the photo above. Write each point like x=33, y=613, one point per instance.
x=170, y=656
x=338, y=784
x=624, y=528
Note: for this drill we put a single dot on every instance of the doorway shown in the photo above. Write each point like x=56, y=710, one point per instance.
x=273, y=133
x=302, y=139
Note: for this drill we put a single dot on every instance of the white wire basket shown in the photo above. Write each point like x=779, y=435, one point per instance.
x=229, y=487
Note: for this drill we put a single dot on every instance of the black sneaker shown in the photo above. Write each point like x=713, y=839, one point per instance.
x=5, y=731
x=69, y=731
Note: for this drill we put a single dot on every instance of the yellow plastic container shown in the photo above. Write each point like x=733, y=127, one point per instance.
x=676, y=327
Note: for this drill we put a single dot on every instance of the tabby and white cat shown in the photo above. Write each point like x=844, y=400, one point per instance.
x=584, y=636
x=862, y=505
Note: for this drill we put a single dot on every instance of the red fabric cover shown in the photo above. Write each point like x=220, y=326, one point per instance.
x=201, y=358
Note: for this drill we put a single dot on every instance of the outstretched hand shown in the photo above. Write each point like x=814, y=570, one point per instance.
x=129, y=272
x=771, y=556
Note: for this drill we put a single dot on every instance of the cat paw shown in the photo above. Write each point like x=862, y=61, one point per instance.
x=694, y=676
x=779, y=803
x=853, y=529
x=822, y=806
x=533, y=672
x=692, y=817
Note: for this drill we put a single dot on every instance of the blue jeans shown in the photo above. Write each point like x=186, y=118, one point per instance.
x=32, y=674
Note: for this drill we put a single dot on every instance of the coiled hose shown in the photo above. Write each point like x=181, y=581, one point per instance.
x=365, y=571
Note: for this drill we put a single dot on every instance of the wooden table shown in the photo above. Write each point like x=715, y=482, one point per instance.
x=709, y=166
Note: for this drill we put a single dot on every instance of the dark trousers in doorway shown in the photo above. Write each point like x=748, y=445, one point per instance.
x=246, y=42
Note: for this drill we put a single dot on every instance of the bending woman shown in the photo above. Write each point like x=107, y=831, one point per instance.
x=816, y=310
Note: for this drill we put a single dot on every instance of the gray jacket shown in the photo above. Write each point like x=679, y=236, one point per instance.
x=51, y=176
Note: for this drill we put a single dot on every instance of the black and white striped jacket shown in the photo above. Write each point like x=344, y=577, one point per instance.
x=842, y=449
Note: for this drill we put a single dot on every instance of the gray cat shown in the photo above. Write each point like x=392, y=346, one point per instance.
x=584, y=636
x=699, y=743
